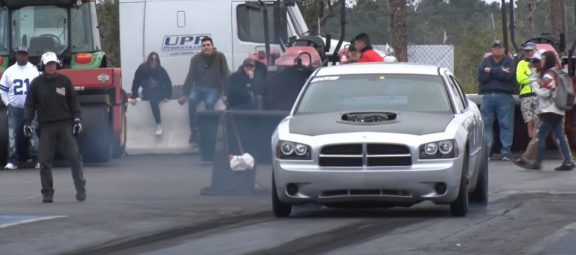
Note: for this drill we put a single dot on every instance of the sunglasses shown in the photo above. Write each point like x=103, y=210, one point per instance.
x=153, y=60
x=206, y=45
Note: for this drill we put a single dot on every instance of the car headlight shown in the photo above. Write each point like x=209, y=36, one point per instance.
x=292, y=150
x=438, y=150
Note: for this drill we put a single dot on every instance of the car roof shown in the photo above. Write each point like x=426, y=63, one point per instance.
x=379, y=68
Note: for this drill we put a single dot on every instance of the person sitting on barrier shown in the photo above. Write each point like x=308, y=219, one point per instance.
x=13, y=89
x=551, y=117
x=241, y=91
x=367, y=53
x=205, y=81
x=156, y=86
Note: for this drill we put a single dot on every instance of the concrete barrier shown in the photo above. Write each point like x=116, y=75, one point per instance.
x=141, y=138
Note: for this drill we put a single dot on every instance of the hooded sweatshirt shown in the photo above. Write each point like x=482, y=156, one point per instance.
x=544, y=90
x=155, y=82
x=369, y=55
x=207, y=72
x=54, y=98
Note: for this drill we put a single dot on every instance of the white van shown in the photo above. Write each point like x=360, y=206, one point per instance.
x=174, y=28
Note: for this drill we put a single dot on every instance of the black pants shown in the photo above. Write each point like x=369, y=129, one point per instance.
x=53, y=136
x=155, y=96
x=155, y=105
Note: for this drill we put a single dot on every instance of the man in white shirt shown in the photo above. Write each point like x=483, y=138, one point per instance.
x=14, y=87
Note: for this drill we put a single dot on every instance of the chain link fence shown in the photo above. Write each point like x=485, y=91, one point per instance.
x=439, y=55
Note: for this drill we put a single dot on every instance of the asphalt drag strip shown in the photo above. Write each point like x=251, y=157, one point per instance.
x=517, y=224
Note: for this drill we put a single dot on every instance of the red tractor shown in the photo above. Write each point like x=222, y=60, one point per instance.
x=70, y=29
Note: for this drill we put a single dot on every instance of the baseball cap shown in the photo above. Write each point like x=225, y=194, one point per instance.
x=496, y=44
x=248, y=62
x=529, y=46
x=537, y=55
x=49, y=57
x=22, y=49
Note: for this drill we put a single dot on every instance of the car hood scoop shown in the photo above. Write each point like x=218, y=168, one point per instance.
x=416, y=123
x=368, y=117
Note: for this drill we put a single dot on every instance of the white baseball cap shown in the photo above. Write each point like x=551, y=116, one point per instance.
x=49, y=57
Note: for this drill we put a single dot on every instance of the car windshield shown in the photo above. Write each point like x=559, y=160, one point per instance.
x=41, y=28
x=390, y=92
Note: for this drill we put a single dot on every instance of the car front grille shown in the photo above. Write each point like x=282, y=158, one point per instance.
x=364, y=192
x=371, y=154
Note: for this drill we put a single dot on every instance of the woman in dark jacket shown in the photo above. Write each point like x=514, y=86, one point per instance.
x=156, y=86
x=241, y=87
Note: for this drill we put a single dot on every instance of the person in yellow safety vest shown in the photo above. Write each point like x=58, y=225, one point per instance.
x=528, y=99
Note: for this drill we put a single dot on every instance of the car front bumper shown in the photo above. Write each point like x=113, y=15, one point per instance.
x=395, y=185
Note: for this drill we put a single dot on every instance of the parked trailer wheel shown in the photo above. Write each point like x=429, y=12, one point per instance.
x=96, y=139
x=3, y=136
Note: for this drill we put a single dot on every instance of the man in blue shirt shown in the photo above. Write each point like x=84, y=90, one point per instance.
x=496, y=85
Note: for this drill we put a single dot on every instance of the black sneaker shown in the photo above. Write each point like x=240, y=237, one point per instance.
x=81, y=196
x=565, y=167
x=47, y=199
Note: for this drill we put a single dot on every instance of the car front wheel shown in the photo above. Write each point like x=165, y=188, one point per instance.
x=280, y=209
x=459, y=207
x=480, y=194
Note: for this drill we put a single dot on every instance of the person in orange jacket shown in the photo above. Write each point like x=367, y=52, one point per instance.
x=368, y=54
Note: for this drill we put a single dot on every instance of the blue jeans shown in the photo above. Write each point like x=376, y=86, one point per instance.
x=501, y=107
x=210, y=97
x=558, y=131
x=16, y=136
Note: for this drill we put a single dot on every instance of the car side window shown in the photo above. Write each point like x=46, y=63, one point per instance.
x=460, y=92
x=455, y=95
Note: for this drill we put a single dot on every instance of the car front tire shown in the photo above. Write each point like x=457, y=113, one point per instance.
x=459, y=207
x=280, y=209
x=480, y=194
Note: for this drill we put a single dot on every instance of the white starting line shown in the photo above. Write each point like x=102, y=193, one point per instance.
x=14, y=220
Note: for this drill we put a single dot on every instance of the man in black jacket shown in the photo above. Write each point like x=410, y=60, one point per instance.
x=241, y=87
x=52, y=95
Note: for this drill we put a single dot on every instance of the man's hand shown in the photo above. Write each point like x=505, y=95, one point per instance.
x=487, y=69
x=77, y=128
x=28, y=130
x=182, y=100
x=250, y=74
x=507, y=70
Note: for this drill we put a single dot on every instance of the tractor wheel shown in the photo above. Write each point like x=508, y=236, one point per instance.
x=3, y=136
x=96, y=139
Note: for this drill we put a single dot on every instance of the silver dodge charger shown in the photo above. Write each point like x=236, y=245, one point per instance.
x=380, y=135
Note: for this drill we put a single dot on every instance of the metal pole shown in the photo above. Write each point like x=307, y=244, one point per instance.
x=504, y=27
x=513, y=26
x=266, y=34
